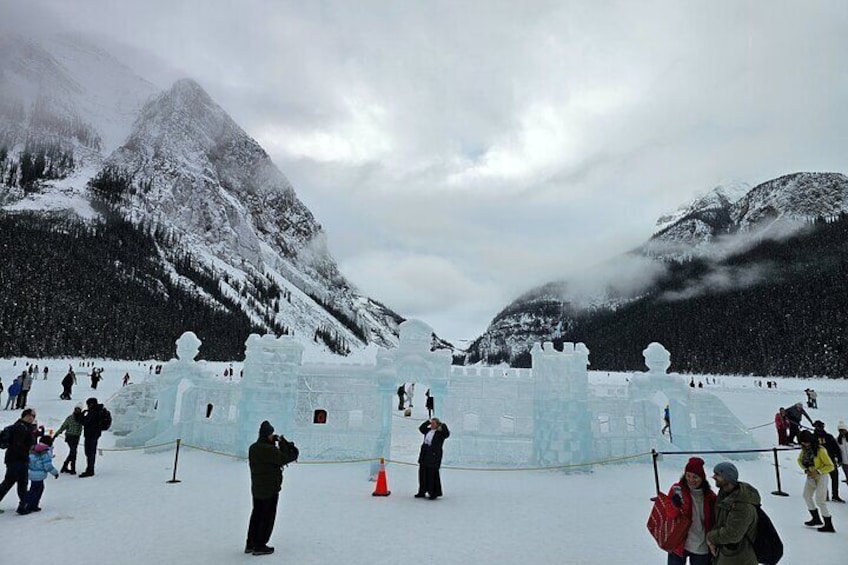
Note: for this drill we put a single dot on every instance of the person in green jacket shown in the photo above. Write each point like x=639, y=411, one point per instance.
x=736, y=518
x=817, y=465
x=266, y=481
x=72, y=426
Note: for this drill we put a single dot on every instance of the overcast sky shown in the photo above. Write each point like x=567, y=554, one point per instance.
x=460, y=153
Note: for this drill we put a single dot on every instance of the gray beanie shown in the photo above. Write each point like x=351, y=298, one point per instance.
x=727, y=471
x=265, y=429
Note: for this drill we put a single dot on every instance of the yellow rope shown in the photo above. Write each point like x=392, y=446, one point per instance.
x=117, y=449
x=398, y=462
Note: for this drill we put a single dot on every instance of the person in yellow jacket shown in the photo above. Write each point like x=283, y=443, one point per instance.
x=817, y=464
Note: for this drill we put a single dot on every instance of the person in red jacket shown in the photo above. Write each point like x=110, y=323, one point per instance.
x=782, y=424
x=693, y=497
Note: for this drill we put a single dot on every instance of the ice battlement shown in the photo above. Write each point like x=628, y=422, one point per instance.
x=546, y=415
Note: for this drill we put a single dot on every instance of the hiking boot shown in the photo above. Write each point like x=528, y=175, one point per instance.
x=816, y=521
x=828, y=525
x=263, y=550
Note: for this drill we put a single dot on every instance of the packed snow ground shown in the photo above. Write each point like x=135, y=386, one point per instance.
x=129, y=514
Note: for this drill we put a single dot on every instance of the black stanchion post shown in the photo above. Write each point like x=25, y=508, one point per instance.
x=777, y=492
x=176, y=460
x=654, y=456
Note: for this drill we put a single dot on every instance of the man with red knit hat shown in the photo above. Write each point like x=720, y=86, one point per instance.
x=692, y=497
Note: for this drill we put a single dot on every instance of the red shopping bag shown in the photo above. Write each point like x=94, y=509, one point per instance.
x=669, y=533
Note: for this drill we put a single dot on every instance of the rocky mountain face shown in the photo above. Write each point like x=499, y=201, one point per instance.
x=730, y=283
x=87, y=148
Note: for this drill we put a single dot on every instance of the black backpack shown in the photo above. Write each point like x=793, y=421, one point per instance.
x=105, y=421
x=289, y=450
x=767, y=544
x=6, y=436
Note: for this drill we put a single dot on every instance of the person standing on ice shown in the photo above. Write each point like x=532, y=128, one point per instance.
x=401, y=392
x=72, y=426
x=429, y=403
x=781, y=423
x=794, y=414
x=266, y=482
x=829, y=443
x=817, y=465
x=14, y=391
x=692, y=497
x=736, y=518
x=17, y=457
x=410, y=392
x=40, y=464
x=91, y=431
x=67, y=385
x=26, y=385
x=430, y=458
x=842, y=442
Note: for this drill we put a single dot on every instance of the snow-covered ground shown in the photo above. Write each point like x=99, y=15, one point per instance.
x=129, y=514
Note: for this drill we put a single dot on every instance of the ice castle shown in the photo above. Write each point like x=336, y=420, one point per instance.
x=546, y=416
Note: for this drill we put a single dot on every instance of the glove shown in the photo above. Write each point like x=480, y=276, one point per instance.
x=677, y=500
x=56, y=476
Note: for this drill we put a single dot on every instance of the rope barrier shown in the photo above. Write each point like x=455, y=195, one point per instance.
x=119, y=449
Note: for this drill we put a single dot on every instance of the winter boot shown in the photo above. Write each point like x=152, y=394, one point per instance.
x=65, y=468
x=828, y=525
x=816, y=521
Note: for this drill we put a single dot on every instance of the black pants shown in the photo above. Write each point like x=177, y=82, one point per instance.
x=793, y=432
x=90, y=447
x=834, y=482
x=22, y=399
x=16, y=472
x=429, y=481
x=262, y=521
x=73, y=444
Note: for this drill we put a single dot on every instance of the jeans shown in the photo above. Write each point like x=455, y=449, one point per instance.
x=17, y=472
x=694, y=558
x=12, y=400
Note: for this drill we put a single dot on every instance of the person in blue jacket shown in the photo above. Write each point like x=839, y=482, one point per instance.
x=40, y=464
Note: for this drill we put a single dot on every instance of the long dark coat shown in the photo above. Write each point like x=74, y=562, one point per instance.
x=431, y=455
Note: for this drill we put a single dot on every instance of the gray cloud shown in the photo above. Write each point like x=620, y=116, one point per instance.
x=459, y=153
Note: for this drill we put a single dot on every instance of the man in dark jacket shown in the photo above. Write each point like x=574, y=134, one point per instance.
x=829, y=443
x=430, y=458
x=794, y=414
x=266, y=481
x=91, y=431
x=736, y=518
x=17, y=457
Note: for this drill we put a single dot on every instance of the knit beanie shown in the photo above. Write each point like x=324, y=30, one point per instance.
x=696, y=467
x=842, y=426
x=727, y=471
x=265, y=429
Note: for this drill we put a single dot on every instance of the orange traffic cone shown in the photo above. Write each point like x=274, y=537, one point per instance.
x=382, y=488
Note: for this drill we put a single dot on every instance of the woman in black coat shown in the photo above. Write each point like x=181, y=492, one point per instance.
x=430, y=459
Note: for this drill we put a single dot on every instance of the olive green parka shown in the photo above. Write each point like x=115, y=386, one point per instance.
x=735, y=526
